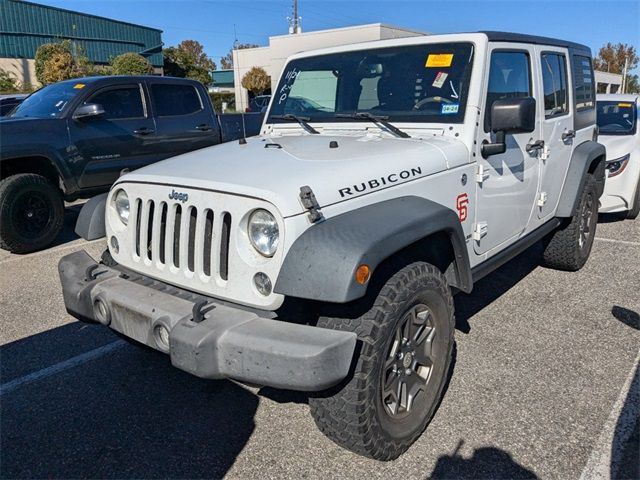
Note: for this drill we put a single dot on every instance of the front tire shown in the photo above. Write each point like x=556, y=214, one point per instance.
x=406, y=342
x=31, y=212
x=568, y=248
x=634, y=211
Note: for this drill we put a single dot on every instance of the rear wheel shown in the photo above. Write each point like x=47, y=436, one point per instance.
x=31, y=212
x=568, y=248
x=399, y=376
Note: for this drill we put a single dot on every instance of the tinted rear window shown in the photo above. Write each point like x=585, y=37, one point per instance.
x=583, y=82
x=171, y=100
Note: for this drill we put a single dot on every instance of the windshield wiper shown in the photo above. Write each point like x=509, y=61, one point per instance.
x=295, y=118
x=381, y=119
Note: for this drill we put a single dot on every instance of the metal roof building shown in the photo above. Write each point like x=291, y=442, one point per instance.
x=24, y=26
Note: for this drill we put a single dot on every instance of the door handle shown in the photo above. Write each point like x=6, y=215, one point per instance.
x=568, y=134
x=143, y=131
x=203, y=127
x=537, y=145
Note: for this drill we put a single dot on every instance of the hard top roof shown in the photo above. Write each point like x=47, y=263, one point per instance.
x=523, y=38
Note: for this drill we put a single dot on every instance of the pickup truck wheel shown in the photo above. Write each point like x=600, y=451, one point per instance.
x=568, y=248
x=634, y=211
x=397, y=382
x=31, y=213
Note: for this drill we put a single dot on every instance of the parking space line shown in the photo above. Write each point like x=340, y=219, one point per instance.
x=60, y=367
x=612, y=240
x=49, y=251
x=606, y=454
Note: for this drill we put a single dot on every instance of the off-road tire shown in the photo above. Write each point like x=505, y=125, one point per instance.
x=634, y=211
x=353, y=414
x=568, y=248
x=31, y=212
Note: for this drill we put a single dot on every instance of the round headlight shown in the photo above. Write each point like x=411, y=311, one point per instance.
x=263, y=232
x=121, y=202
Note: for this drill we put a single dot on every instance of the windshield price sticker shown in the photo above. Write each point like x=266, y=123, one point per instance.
x=441, y=77
x=449, y=108
x=624, y=105
x=78, y=86
x=439, y=60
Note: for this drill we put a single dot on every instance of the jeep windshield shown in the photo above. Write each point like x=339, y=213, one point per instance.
x=49, y=101
x=616, y=118
x=416, y=83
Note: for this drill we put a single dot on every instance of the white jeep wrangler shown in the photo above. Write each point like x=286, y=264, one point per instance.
x=323, y=255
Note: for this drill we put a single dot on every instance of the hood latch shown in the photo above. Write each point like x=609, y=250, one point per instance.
x=310, y=203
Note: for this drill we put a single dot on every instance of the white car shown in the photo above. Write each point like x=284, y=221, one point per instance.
x=619, y=133
x=323, y=254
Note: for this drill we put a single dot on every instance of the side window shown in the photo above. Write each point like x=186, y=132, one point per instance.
x=583, y=82
x=554, y=81
x=509, y=77
x=120, y=103
x=173, y=99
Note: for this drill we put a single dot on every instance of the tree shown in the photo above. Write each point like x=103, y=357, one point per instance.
x=227, y=61
x=57, y=61
x=611, y=58
x=256, y=80
x=131, y=64
x=188, y=60
x=8, y=82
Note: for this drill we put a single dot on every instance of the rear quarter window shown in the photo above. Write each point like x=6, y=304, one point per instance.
x=583, y=83
x=173, y=99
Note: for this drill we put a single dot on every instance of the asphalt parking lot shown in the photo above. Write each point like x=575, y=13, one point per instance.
x=545, y=385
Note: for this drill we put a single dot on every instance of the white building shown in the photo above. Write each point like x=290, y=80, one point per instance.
x=273, y=57
x=608, y=82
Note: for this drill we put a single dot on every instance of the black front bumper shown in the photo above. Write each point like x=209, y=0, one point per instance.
x=223, y=342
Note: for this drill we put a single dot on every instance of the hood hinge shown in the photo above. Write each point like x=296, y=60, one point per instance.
x=310, y=203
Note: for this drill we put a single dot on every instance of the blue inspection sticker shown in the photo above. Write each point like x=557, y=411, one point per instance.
x=449, y=108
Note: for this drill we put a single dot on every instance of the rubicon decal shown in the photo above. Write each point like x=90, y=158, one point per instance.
x=379, y=182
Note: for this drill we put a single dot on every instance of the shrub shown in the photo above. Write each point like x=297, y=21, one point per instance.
x=131, y=64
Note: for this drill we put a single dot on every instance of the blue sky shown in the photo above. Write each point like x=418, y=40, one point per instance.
x=212, y=21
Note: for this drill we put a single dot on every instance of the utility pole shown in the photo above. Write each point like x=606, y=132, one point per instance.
x=294, y=21
x=624, y=74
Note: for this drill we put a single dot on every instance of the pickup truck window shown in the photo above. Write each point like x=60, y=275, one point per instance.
x=120, y=103
x=616, y=117
x=171, y=100
x=554, y=80
x=417, y=83
x=49, y=101
x=509, y=77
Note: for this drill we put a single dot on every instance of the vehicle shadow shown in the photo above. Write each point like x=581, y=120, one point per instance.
x=68, y=234
x=625, y=447
x=626, y=316
x=128, y=414
x=486, y=462
x=494, y=285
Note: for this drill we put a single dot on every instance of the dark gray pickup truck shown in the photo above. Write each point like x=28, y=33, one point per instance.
x=72, y=140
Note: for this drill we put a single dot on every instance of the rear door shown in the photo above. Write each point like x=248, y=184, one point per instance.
x=185, y=120
x=507, y=192
x=121, y=138
x=557, y=127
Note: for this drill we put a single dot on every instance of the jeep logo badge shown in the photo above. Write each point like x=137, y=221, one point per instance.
x=183, y=197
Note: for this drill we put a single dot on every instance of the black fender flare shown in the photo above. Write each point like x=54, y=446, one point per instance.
x=59, y=165
x=90, y=224
x=581, y=159
x=321, y=263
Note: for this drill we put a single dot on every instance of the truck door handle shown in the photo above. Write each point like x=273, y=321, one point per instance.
x=537, y=145
x=568, y=134
x=203, y=127
x=143, y=131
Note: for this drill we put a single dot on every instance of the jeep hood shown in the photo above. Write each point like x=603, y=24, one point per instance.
x=274, y=168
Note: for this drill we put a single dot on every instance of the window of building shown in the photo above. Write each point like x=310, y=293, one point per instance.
x=174, y=99
x=554, y=81
x=509, y=77
x=120, y=103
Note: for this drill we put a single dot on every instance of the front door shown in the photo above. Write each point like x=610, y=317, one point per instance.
x=120, y=138
x=507, y=192
x=557, y=127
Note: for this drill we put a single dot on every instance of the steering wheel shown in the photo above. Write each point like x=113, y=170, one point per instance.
x=429, y=100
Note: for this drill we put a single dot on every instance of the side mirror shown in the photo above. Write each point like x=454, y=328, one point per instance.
x=509, y=115
x=87, y=111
